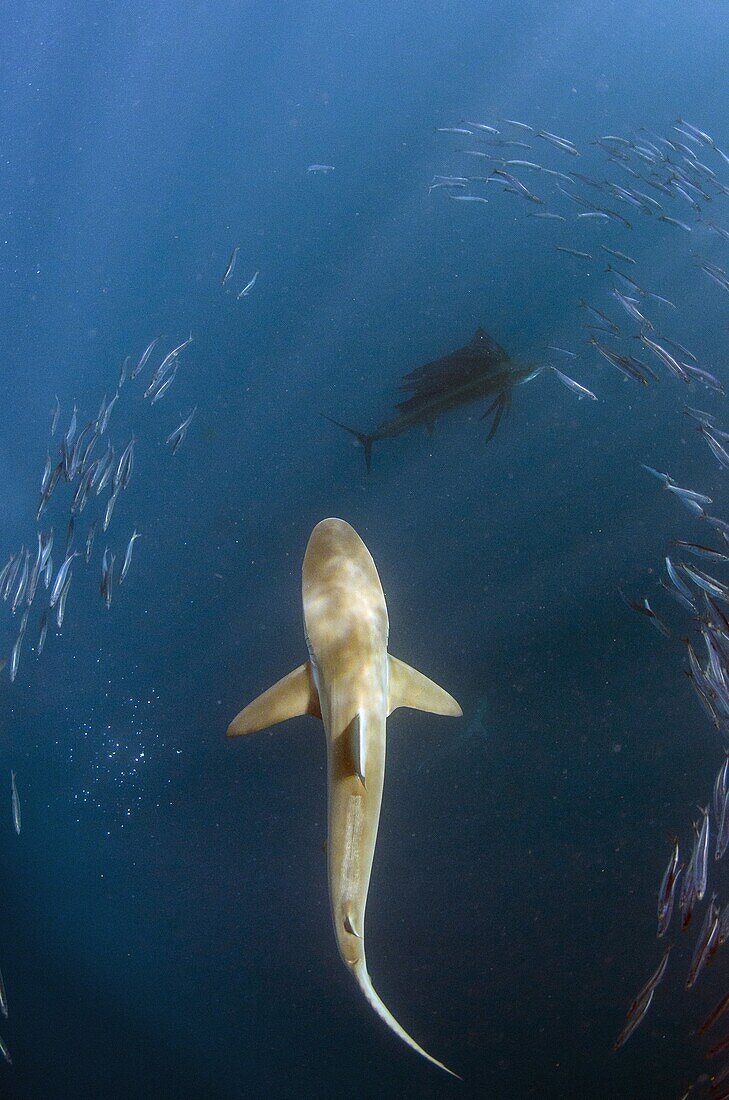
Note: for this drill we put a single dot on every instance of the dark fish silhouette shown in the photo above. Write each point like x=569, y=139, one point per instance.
x=479, y=369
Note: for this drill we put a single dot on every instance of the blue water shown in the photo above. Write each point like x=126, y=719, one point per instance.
x=164, y=920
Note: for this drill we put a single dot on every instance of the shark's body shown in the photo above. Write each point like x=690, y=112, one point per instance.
x=352, y=684
x=480, y=369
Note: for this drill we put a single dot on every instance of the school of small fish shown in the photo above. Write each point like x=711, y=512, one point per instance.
x=674, y=180
x=665, y=178
x=95, y=481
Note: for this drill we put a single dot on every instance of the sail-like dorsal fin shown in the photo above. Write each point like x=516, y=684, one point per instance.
x=409, y=688
x=291, y=697
x=486, y=345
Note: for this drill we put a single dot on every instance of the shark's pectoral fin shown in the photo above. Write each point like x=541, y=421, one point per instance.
x=291, y=697
x=409, y=688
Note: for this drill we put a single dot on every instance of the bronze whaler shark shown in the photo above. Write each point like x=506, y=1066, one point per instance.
x=353, y=684
x=480, y=369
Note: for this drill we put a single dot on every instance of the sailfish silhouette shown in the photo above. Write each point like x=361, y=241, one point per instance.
x=479, y=369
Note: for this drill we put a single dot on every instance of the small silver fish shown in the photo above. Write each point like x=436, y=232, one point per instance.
x=107, y=577
x=177, y=438
x=15, y=802
x=128, y=556
x=104, y=422
x=110, y=504
x=43, y=634
x=575, y=387
x=618, y=255
x=123, y=472
x=145, y=356
x=231, y=265
x=123, y=372
x=61, y=605
x=61, y=576
x=248, y=287
x=162, y=390
x=468, y=198
x=573, y=252
x=559, y=142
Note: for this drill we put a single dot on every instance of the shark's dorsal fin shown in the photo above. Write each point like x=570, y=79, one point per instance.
x=409, y=688
x=291, y=697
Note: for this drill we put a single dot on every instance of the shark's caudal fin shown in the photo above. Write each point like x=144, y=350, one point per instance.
x=361, y=437
x=291, y=697
x=409, y=688
x=365, y=983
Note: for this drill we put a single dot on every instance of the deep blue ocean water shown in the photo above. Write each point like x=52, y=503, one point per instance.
x=164, y=920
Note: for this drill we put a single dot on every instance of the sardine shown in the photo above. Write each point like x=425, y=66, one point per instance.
x=618, y=255
x=90, y=541
x=722, y=830
x=107, y=577
x=248, y=287
x=61, y=576
x=667, y=891
x=631, y=307
x=70, y=434
x=104, y=422
x=145, y=356
x=714, y=1015
x=642, y=1001
x=559, y=142
x=110, y=504
x=61, y=605
x=123, y=473
x=704, y=943
x=164, y=386
x=166, y=365
x=575, y=387
x=700, y=551
x=128, y=556
x=15, y=798
x=42, y=635
x=231, y=265
x=177, y=438
x=676, y=580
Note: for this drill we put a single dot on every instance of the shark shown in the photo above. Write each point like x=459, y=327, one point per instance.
x=480, y=369
x=352, y=684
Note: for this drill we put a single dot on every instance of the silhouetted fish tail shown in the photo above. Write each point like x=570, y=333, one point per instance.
x=361, y=437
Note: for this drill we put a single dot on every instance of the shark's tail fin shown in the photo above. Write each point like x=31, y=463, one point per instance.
x=361, y=437
x=365, y=983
